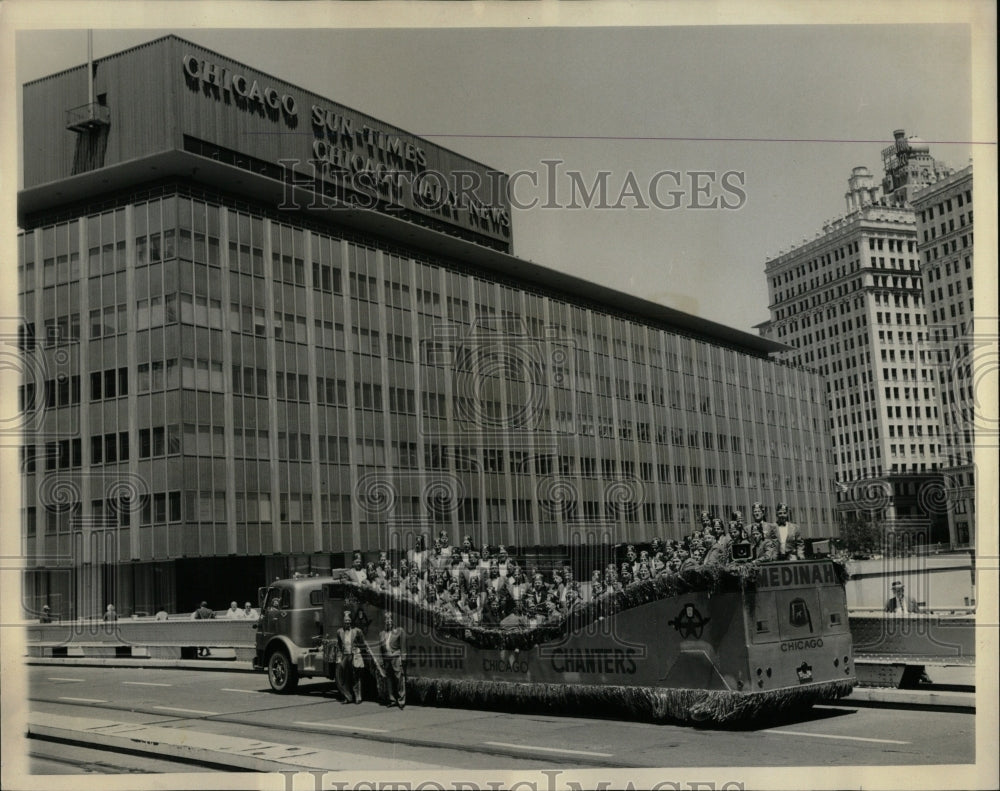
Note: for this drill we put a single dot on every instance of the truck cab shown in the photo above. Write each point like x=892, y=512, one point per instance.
x=288, y=643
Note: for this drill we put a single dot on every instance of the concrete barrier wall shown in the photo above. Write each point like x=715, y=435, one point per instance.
x=144, y=632
x=950, y=640
x=942, y=582
x=924, y=638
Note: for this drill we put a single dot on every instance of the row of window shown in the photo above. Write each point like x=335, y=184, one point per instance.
x=954, y=311
x=946, y=205
x=934, y=273
x=59, y=392
x=154, y=508
x=61, y=454
x=257, y=507
x=190, y=373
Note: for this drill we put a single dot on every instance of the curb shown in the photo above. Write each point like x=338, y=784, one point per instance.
x=908, y=698
x=228, y=665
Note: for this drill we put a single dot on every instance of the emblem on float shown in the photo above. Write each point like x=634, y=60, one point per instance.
x=798, y=613
x=689, y=623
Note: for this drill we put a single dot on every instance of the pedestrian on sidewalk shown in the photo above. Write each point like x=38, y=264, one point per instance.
x=203, y=613
x=899, y=602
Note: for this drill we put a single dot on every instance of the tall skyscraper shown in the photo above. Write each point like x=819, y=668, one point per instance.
x=944, y=238
x=850, y=303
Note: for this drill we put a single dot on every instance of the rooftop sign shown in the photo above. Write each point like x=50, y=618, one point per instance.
x=370, y=164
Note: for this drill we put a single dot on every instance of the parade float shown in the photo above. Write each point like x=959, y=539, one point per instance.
x=711, y=645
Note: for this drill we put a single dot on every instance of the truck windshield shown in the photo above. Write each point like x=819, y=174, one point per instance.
x=275, y=598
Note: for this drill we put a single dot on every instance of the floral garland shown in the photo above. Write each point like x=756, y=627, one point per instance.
x=711, y=579
x=656, y=704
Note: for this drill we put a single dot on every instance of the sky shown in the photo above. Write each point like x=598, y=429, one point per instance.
x=787, y=110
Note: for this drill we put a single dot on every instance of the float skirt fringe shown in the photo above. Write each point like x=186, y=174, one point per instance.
x=658, y=704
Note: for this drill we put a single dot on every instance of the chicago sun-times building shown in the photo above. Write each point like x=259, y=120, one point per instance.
x=262, y=330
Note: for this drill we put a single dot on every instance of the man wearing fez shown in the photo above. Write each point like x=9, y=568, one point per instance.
x=536, y=597
x=435, y=560
x=392, y=645
x=495, y=581
x=632, y=558
x=790, y=541
x=467, y=548
x=357, y=571
x=349, y=660
x=418, y=555
x=494, y=607
x=574, y=599
x=713, y=555
x=687, y=561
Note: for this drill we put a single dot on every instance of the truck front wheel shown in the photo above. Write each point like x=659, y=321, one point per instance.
x=281, y=673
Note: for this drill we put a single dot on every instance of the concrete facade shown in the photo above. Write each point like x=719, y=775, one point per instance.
x=945, y=241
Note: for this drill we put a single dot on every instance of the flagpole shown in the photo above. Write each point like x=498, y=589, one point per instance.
x=90, y=71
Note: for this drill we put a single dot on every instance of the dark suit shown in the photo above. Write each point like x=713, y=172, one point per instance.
x=392, y=644
x=894, y=605
x=350, y=644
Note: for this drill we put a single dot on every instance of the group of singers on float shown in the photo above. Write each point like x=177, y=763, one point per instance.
x=488, y=586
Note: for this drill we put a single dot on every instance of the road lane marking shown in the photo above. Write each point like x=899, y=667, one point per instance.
x=85, y=700
x=146, y=684
x=56, y=678
x=251, y=691
x=549, y=749
x=831, y=736
x=188, y=711
x=341, y=727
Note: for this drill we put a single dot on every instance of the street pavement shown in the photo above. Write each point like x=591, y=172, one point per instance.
x=232, y=718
